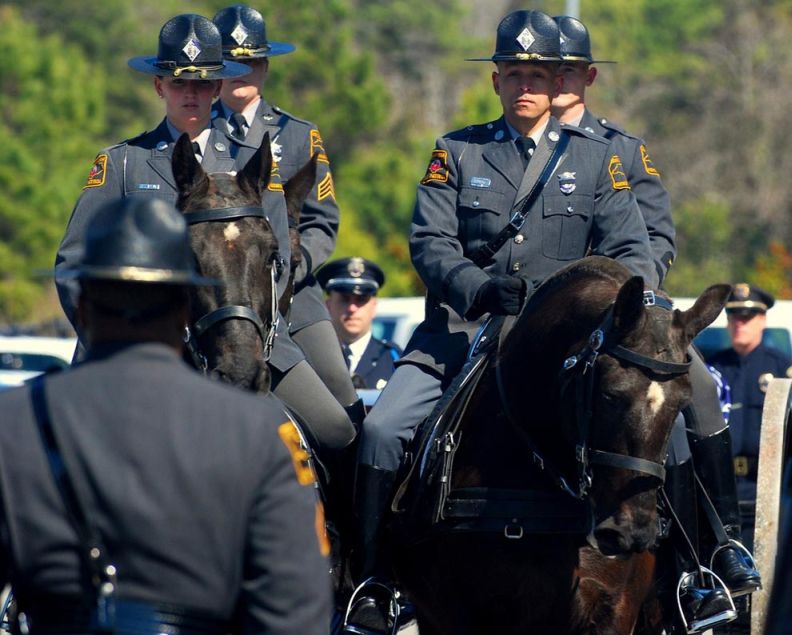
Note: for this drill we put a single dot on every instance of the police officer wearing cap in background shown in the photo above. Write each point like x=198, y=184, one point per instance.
x=747, y=367
x=188, y=70
x=352, y=285
x=476, y=179
x=137, y=495
x=243, y=112
x=708, y=435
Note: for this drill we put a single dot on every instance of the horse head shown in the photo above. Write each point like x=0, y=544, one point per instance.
x=606, y=365
x=233, y=241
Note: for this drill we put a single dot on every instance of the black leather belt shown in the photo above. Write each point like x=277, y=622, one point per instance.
x=66, y=615
x=746, y=466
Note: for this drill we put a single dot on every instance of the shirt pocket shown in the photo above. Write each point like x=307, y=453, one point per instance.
x=481, y=214
x=566, y=224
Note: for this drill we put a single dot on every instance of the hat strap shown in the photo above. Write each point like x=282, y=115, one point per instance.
x=241, y=50
x=203, y=71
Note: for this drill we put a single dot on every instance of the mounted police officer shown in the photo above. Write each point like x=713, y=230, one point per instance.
x=188, y=70
x=243, y=112
x=137, y=495
x=747, y=367
x=477, y=178
x=709, y=436
x=352, y=285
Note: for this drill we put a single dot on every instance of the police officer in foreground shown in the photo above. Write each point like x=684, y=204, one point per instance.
x=187, y=73
x=243, y=112
x=748, y=367
x=137, y=495
x=476, y=179
x=351, y=285
x=708, y=435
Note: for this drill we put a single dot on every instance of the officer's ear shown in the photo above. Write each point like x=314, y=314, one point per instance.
x=496, y=81
x=591, y=75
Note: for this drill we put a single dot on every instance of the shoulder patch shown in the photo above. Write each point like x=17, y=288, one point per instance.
x=317, y=145
x=617, y=175
x=98, y=174
x=300, y=458
x=325, y=188
x=438, y=167
x=647, y=162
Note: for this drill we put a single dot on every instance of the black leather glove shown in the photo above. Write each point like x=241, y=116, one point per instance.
x=501, y=295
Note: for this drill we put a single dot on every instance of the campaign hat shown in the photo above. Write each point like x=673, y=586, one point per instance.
x=244, y=34
x=748, y=298
x=351, y=275
x=137, y=239
x=575, y=41
x=525, y=36
x=190, y=47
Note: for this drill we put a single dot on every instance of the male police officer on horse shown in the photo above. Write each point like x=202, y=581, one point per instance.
x=576, y=199
x=139, y=496
x=352, y=285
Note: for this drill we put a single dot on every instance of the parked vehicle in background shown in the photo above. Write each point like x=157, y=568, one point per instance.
x=22, y=357
x=397, y=318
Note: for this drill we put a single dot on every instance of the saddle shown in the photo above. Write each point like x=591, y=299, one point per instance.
x=425, y=504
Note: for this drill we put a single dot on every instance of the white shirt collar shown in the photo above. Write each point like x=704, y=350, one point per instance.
x=358, y=347
x=536, y=136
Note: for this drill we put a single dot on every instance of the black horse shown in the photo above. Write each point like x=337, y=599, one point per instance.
x=549, y=484
x=232, y=326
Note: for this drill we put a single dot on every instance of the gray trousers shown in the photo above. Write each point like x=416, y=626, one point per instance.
x=408, y=398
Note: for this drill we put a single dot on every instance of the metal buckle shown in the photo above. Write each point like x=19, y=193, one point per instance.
x=513, y=531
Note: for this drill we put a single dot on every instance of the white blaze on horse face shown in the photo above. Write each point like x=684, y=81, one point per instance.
x=655, y=396
x=231, y=232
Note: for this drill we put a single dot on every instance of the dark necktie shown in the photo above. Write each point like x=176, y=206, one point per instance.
x=347, y=355
x=197, y=149
x=238, y=124
x=525, y=148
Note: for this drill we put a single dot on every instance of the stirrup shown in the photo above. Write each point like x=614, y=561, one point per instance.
x=740, y=547
x=364, y=590
x=698, y=626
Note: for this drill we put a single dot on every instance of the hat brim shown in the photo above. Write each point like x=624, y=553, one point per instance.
x=581, y=58
x=356, y=286
x=516, y=57
x=133, y=274
x=223, y=70
x=273, y=49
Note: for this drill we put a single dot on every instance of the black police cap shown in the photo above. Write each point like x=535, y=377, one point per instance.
x=351, y=275
x=525, y=36
x=138, y=239
x=189, y=47
x=575, y=41
x=244, y=34
x=747, y=298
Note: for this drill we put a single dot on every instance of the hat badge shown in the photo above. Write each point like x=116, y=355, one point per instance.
x=191, y=49
x=356, y=267
x=239, y=34
x=742, y=291
x=525, y=39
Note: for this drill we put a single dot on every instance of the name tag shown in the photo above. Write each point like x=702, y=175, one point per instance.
x=480, y=181
x=148, y=186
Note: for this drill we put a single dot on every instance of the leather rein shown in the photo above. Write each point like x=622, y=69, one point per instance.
x=234, y=311
x=578, y=370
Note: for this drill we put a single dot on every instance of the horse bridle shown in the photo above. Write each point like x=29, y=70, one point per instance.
x=234, y=311
x=579, y=368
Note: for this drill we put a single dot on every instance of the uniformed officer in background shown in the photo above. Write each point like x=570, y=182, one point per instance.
x=708, y=434
x=243, y=112
x=476, y=179
x=139, y=496
x=747, y=367
x=352, y=285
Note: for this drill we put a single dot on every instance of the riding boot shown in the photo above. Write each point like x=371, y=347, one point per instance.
x=703, y=606
x=731, y=560
x=371, y=609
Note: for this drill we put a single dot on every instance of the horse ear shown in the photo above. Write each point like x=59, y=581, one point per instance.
x=297, y=188
x=255, y=176
x=187, y=171
x=704, y=311
x=629, y=306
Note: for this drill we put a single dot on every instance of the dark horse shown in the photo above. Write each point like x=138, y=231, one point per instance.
x=232, y=326
x=550, y=516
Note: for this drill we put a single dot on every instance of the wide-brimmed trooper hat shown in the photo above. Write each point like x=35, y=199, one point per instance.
x=575, y=41
x=190, y=47
x=244, y=34
x=351, y=275
x=138, y=239
x=525, y=36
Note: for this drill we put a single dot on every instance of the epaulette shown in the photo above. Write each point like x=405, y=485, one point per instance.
x=616, y=128
x=285, y=113
x=474, y=130
x=583, y=132
x=394, y=350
